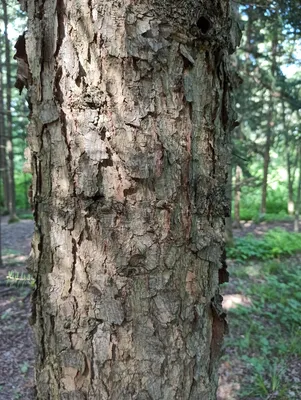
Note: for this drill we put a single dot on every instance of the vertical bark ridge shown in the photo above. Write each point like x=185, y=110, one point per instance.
x=130, y=133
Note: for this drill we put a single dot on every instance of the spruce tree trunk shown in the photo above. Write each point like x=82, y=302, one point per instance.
x=129, y=138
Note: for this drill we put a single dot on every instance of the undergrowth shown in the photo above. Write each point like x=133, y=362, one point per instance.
x=275, y=243
x=266, y=335
x=16, y=278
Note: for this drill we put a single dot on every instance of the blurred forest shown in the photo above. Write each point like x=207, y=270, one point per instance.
x=14, y=183
x=266, y=156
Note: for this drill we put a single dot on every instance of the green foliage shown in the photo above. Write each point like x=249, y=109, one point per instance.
x=22, y=183
x=282, y=216
x=26, y=216
x=19, y=279
x=276, y=204
x=249, y=213
x=24, y=367
x=277, y=242
x=277, y=200
x=267, y=332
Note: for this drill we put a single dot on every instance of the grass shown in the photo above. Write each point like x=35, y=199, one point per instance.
x=26, y=216
x=275, y=243
x=251, y=214
x=265, y=335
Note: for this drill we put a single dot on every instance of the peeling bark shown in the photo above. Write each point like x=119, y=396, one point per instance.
x=129, y=138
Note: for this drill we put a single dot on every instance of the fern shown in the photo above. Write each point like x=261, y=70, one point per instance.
x=15, y=278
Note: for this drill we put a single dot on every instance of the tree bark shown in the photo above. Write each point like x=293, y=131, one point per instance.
x=129, y=139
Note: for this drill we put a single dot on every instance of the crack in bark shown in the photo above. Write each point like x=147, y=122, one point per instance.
x=74, y=255
x=60, y=9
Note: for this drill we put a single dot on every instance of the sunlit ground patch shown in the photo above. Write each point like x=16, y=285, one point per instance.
x=233, y=300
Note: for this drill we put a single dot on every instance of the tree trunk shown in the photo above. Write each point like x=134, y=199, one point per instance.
x=237, y=192
x=290, y=202
x=129, y=138
x=9, y=125
x=298, y=201
x=270, y=126
x=266, y=159
x=3, y=169
x=3, y=164
x=228, y=220
x=290, y=174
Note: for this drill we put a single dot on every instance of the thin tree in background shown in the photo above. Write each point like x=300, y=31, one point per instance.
x=266, y=158
x=291, y=152
x=3, y=169
x=237, y=195
x=228, y=219
x=3, y=163
x=270, y=122
x=298, y=200
x=9, y=126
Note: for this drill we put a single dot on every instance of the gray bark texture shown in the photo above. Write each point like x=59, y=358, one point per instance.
x=129, y=140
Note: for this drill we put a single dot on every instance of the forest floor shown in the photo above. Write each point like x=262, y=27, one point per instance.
x=16, y=338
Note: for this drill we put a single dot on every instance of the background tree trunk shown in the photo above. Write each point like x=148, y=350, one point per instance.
x=270, y=126
x=3, y=169
x=3, y=164
x=228, y=220
x=129, y=138
x=298, y=200
x=266, y=159
x=237, y=192
x=9, y=125
x=289, y=165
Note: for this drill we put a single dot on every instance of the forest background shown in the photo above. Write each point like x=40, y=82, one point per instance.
x=264, y=183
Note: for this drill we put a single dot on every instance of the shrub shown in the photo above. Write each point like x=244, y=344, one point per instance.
x=276, y=242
